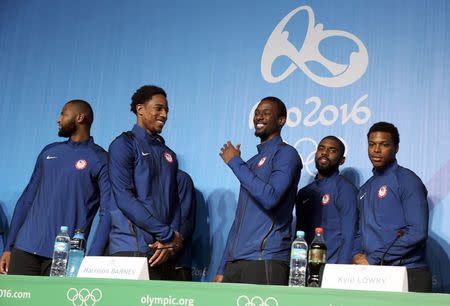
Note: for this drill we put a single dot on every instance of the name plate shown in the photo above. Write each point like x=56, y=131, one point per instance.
x=360, y=277
x=114, y=267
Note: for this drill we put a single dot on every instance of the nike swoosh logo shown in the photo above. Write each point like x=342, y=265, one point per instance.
x=305, y=201
x=361, y=197
x=51, y=157
x=145, y=154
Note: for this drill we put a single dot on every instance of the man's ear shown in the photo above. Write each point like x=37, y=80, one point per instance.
x=342, y=161
x=396, y=150
x=139, y=109
x=81, y=117
x=281, y=121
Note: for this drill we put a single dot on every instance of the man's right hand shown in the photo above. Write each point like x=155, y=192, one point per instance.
x=4, y=262
x=360, y=259
x=218, y=278
x=177, y=241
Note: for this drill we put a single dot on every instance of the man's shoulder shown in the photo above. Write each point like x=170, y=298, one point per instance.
x=99, y=152
x=344, y=184
x=54, y=145
x=407, y=177
x=307, y=188
x=122, y=141
x=286, y=150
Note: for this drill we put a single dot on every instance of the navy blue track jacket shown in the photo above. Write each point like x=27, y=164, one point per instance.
x=262, y=226
x=186, y=192
x=143, y=174
x=393, y=200
x=330, y=203
x=69, y=182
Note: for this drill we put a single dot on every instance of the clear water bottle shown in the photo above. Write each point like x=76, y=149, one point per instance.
x=76, y=253
x=299, y=253
x=60, y=253
x=317, y=258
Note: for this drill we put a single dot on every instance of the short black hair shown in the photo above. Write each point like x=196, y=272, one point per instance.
x=144, y=94
x=85, y=108
x=388, y=128
x=340, y=143
x=282, y=112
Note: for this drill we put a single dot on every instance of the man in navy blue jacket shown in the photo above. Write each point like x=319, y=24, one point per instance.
x=69, y=182
x=186, y=192
x=145, y=216
x=329, y=202
x=393, y=212
x=258, y=246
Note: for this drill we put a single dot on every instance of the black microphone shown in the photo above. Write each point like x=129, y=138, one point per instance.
x=400, y=233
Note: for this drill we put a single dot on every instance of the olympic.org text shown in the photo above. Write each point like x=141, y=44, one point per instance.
x=168, y=300
x=11, y=294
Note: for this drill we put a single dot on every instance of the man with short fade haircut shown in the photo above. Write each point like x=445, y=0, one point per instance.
x=259, y=242
x=69, y=183
x=145, y=217
x=393, y=212
x=329, y=202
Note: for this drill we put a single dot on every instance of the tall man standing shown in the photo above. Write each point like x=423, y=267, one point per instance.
x=69, y=181
x=188, y=203
x=257, y=250
x=393, y=212
x=145, y=218
x=329, y=202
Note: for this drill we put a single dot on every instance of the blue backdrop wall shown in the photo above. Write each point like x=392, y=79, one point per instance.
x=338, y=65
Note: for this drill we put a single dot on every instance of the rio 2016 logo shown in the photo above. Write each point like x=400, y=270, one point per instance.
x=84, y=296
x=278, y=45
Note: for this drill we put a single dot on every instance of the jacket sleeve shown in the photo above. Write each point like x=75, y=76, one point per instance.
x=413, y=197
x=346, y=203
x=226, y=253
x=101, y=237
x=24, y=204
x=357, y=239
x=186, y=192
x=286, y=166
x=121, y=170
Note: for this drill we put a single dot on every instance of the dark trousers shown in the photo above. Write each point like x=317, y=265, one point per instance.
x=24, y=263
x=264, y=272
x=419, y=280
x=164, y=271
x=183, y=274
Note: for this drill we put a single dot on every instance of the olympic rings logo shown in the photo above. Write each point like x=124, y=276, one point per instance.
x=84, y=297
x=244, y=300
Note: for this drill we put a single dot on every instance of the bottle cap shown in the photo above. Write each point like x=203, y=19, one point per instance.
x=79, y=234
x=64, y=228
x=319, y=231
x=300, y=234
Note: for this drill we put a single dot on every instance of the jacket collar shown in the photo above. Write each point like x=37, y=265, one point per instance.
x=142, y=134
x=388, y=169
x=78, y=144
x=263, y=147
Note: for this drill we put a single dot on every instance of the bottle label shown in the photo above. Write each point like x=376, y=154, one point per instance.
x=61, y=247
x=317, y=255
x=298, y=253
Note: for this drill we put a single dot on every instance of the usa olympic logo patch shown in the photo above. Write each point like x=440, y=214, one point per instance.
x=168, y=157
x=81, y=164
x=326, y=199
x=382, y=192
x=262, y=161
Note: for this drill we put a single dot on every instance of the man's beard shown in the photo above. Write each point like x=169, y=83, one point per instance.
x=327, y=171
x=68, y=129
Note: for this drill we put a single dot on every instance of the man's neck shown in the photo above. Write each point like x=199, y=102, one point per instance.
x=270, y=138
x=80, y=136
